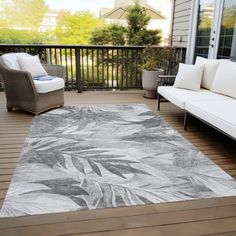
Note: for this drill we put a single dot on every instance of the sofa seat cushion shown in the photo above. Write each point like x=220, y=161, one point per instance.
x=180, y=96
x=220, y=114
x=49, y=85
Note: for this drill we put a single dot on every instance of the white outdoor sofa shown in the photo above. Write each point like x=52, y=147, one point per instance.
x=216, y=109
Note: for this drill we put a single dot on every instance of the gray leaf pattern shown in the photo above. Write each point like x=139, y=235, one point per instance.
x=78, y=164
x=89, y=157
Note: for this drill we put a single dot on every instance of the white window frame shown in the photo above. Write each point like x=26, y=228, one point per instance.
x=233, y=49
x=192, y=32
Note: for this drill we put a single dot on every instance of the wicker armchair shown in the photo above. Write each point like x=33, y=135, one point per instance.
x=21, y=93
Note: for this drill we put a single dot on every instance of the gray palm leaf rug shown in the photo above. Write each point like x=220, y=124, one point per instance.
x=88, y=157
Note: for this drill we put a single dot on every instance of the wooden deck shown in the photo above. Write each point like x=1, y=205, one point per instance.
x=201, y=217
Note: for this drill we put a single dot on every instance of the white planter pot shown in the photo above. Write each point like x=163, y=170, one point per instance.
x=149, y=82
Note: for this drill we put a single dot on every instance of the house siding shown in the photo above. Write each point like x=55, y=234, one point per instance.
x=181, y=19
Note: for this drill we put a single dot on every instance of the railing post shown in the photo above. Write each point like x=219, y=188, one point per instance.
x=122, y=68
x=78, y=70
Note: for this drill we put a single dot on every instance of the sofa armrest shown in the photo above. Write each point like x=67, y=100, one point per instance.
x=55, y=70
x=166, y=80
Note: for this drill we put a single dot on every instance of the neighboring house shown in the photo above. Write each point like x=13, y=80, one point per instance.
x=49, y=22
x=165, y=7
x=4, y=4
x=206, y=28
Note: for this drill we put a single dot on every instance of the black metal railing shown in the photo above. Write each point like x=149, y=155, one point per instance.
x=98, y=67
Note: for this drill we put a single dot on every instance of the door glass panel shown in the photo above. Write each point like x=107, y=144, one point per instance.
x=227, y=42
x=205, y=20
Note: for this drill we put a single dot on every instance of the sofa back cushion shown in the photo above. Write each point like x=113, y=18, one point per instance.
x=225, y=79
x=210, y=67
x=10, y=59
x=32, y=65
x=189, y=77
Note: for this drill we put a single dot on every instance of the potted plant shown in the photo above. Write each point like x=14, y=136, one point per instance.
x=151, y=71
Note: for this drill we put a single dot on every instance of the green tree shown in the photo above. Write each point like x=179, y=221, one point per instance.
x=76, y=28
x=135, y=33
x=109, y=35
x=22, y=14
x=138, y=34
x=20, y=21
x=13, y=36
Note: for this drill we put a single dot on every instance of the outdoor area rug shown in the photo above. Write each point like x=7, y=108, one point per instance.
x=89, y=157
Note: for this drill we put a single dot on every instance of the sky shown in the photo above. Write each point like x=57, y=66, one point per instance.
x=91, y=5
x=78, y=5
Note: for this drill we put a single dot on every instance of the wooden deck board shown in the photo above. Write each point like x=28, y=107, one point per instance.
x=216, y=216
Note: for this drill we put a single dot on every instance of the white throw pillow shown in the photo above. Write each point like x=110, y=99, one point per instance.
x=189, y=77
x=210, y=67
x=10, y=59
x=225, y=79
x=32, y=65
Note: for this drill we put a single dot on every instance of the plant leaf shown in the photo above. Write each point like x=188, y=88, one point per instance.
x=104, y=156
x=113, y=170
x=129, y=169
x=61, y=159
x=78, y=164
x=79, y=201
x=95, y=167
x=48, y=158
x=115, y=160
x=144, y=200
x=65, y=187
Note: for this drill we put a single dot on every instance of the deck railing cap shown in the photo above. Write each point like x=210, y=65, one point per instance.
x=80, y=46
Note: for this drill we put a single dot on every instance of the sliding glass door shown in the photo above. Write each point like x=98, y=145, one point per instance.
x=215, y=29
x=204, y=27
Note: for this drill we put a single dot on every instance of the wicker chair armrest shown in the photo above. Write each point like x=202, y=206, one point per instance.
x=20, y=81
x=166, y=80
x=55, y=70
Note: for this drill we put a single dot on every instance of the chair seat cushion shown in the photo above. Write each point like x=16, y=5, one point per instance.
x=49, y=85
x=180, y=96
x=220, y=114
